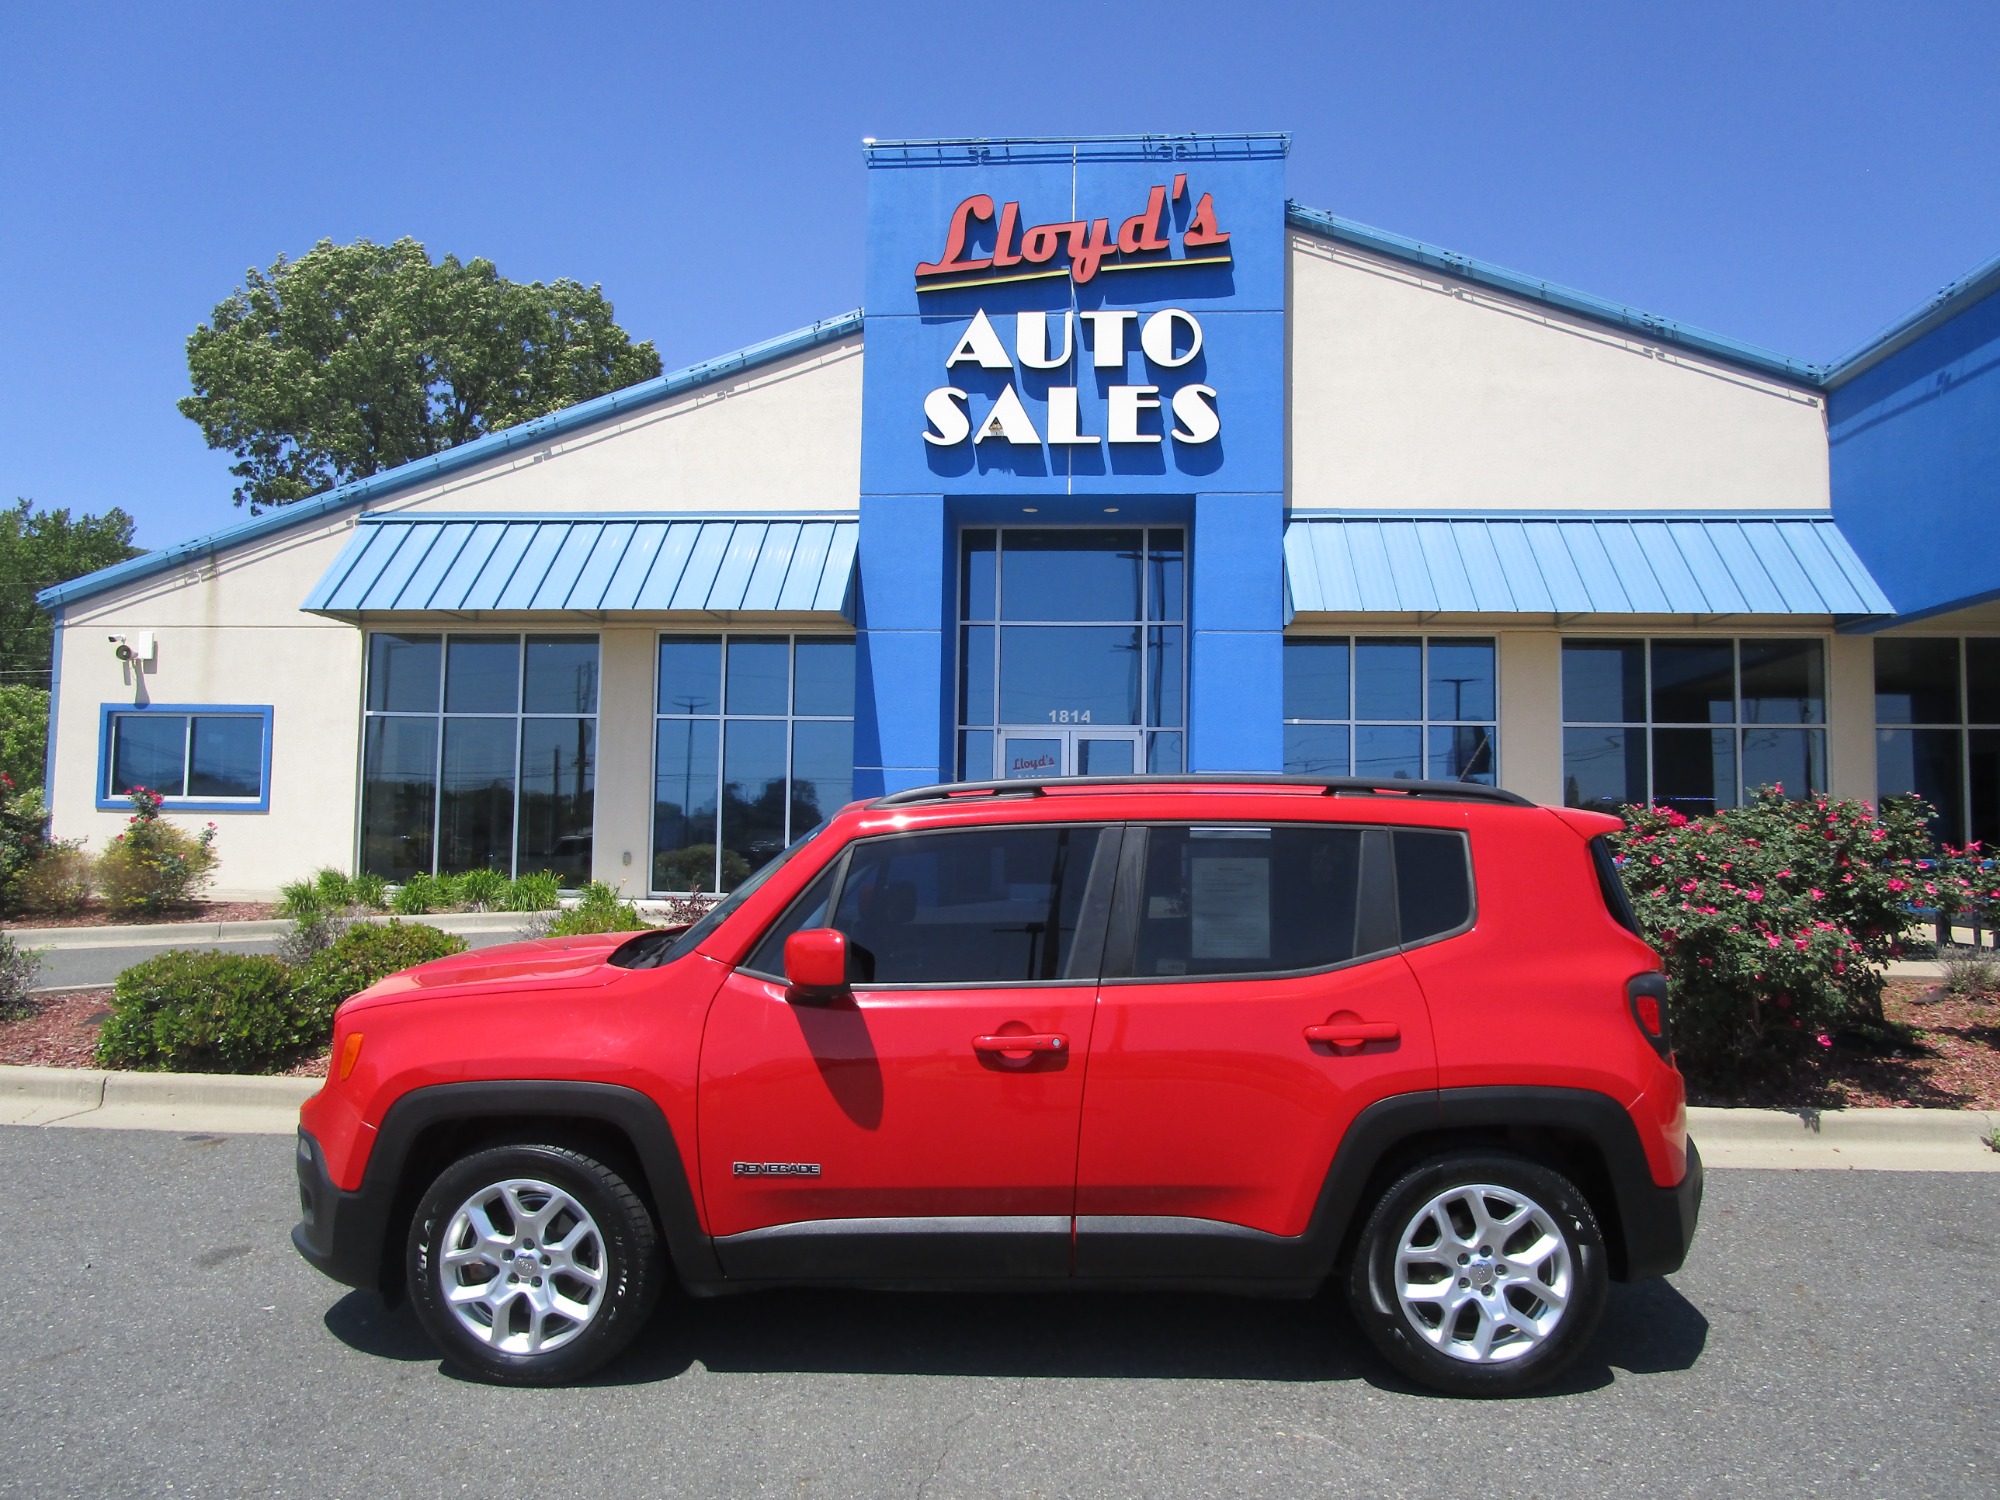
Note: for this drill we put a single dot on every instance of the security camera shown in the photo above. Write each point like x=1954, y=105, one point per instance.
x=132, y=649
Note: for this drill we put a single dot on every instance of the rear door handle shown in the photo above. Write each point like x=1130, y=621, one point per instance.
x=1024, y=1042
x=1354, y=1033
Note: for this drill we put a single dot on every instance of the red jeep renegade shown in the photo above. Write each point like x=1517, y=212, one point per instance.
x=1239, y=1033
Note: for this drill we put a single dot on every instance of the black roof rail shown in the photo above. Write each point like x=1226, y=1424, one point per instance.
x=1329, y=786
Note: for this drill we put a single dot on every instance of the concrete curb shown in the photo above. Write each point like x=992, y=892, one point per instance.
x=1881, y=1140
x=200, y=934
x=1889, y=1140
x=217, y=1103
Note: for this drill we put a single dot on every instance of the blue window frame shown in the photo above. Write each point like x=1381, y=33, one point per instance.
x=200, y=757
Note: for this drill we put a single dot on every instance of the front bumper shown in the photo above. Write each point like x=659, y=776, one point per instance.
x=340, y=1234
x=1660, y=1223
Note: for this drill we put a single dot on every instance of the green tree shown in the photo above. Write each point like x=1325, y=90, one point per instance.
x=24, y=733
x=356, y=358
x=39, y=548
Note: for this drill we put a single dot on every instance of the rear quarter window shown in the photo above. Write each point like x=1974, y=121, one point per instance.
x=1433, y=883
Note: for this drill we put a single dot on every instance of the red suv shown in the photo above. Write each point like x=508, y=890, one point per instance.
x=1232, y=1033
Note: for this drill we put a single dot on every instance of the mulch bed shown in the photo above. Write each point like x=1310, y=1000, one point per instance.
x=60, y=1031
x=1949, y=1057
x=193, y=911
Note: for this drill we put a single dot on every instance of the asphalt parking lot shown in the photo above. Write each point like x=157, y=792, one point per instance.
x=1833, y=1334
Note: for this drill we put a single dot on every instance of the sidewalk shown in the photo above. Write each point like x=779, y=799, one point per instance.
x=205, y=934
x=1869, y=1140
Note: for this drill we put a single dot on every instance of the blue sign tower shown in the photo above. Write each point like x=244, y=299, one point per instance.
x=1073, y=424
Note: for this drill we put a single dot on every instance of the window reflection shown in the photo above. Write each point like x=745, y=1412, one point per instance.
x=1432, y=702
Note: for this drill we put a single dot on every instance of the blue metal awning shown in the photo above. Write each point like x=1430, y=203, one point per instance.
x=1594, y=564
x=468, y=564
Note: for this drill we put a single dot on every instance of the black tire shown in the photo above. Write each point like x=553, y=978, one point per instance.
x=1436, y=1342
x=623, y=1254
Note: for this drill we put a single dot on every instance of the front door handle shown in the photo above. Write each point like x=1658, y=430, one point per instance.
x=1021, y=1044
x=1354, y=1033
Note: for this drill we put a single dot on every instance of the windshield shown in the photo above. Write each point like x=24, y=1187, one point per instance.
x=656, y=948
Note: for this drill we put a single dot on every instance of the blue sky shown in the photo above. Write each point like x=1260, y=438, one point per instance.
x=1796, y=175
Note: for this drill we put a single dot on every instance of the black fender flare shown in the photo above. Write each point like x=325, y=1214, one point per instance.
x=1647, y=1228
x=354, y=1237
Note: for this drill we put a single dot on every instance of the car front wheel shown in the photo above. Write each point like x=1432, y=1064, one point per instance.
x=532, y=1264
x=1480, y=1274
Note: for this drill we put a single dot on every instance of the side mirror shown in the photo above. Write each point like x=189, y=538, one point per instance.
x=816, y=962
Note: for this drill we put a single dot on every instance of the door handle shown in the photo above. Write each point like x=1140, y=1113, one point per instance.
x=1024, y=1042
x=1354, y=1033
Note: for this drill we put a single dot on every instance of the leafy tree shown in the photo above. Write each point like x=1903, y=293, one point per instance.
x=24, y=732
x=39, y=548
x=356, y=358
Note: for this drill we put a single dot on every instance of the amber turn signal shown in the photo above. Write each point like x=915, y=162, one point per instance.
x=350, y=1053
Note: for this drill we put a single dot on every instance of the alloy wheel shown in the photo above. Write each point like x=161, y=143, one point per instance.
x=1483, y=1274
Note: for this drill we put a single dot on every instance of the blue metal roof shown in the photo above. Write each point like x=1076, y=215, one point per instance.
x=403, y=476
x=1550, y=294
x=1675, y=563
x=431, y=561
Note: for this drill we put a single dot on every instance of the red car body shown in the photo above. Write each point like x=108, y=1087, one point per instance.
x=1169, y=1130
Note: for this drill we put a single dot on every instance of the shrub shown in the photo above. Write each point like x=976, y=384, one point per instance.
x=18, y=967
x=363, y=954
x=601, y=910
x=205, y=1012
x=24, y=834
x=481, y=890
x=58, y=880
x=153, y=864
x=331, y=892
x=419, y=894
x=541, y=891
x=368, y=892
x=1971, y=974
x=1773, y=920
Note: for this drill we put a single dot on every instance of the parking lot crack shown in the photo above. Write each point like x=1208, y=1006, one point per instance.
x=944, y=1450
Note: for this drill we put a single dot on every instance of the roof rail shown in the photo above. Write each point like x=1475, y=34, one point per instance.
x=1328, y=786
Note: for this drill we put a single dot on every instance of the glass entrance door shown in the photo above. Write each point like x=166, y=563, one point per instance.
x=1071, y=651
x=1040, y=751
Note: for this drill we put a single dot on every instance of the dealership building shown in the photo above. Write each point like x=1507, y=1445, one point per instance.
x=1128, y=463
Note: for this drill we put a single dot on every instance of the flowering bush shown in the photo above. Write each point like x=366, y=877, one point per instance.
x=153, y=864
x=1774, y=920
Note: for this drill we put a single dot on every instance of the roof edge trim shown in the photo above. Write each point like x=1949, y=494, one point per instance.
x=418, y=471
x=1953, y=298
x=1552, y=294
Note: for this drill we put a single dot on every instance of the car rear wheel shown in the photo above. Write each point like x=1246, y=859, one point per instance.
x=1480, y=1274
x=532, y=1264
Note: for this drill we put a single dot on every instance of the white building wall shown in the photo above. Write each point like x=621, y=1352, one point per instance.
x=1410, y=390
x=230, y=630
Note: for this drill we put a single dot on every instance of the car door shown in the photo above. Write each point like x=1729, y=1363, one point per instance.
x=1254, y=1003
x=891, y=1131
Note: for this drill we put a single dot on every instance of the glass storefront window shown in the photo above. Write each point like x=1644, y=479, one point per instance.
x=1937, y=734
x=1391, y=708
x=753, y=746
x=1691, y=724
x=1069, y=635
x=479, y=751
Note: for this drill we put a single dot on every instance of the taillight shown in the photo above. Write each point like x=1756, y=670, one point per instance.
x=1647, y=994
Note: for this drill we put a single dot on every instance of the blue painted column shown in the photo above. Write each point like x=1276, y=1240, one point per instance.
x=1236, y=699
x=903, y=708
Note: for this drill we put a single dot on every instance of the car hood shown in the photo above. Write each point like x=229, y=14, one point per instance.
x=550, y=963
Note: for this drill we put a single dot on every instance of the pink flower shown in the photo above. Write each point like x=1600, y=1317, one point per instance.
x=1824, y=1040
x=1899, y=885
x=1817, y=895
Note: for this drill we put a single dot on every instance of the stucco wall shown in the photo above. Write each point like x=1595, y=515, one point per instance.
x=230, y=630
x=784, y=437
x=1410, y=390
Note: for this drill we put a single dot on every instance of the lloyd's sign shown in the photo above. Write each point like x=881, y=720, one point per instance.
x=1089, y=317
x=1076, y=250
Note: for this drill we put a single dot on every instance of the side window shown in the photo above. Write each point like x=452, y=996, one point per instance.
x=977, y=906
x=1236, y=900
x=808, y=909
x=1433, y=883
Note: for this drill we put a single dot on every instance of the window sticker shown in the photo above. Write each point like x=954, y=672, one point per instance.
x=1231, y=906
